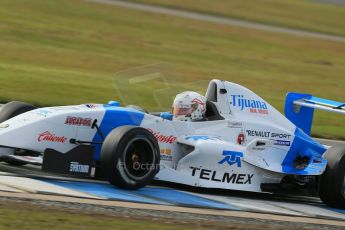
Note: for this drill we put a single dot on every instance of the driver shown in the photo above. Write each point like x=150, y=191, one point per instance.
x=189, y=106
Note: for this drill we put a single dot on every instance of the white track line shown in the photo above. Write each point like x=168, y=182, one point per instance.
x=6, y=188
x=218, y=19
x=277, y=207
x=310, y=210
x=35, y=186
x=253, y=205
x=6, y=173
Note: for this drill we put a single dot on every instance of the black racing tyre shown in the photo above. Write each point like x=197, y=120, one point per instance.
x=332, y=181
x=10, y=110
x=130, y=157
x=13, y=109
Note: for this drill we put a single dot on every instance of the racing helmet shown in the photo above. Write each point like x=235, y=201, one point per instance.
x=189, y=106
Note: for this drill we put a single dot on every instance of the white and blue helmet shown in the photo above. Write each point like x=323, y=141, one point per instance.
x=189, y=106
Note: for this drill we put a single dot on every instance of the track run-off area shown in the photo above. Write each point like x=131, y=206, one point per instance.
x=30, y=182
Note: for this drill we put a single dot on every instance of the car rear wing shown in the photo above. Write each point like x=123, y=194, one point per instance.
x=299, y=109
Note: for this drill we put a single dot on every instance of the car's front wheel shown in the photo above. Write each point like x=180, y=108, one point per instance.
x=130, y=157
x=332, y=182
x=14, y=108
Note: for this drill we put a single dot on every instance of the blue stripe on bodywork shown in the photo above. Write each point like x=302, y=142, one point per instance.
x=304, y=146
x=144, y=195
x=115, y=117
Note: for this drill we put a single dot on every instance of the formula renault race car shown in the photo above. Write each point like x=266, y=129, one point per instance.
x=243, y=143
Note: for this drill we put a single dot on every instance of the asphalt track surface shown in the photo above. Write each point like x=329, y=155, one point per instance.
x=29, y=183
x=334, y=2
x=218, y=19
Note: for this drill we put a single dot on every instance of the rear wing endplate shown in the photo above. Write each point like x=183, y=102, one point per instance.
x=299, y=109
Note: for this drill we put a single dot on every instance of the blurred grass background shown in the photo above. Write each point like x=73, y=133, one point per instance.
x=70, y=52
x=299, y=14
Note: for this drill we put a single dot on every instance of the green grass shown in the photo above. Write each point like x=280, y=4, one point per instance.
x=300, y=14
x=69, y=52
x=25, y=215
x=28, y=217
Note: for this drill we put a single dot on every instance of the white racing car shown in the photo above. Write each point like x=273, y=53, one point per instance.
x=243, y=143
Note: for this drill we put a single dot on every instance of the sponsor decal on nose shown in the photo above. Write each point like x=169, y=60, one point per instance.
x=78, y=121
x=50, y=137
x=163, y=138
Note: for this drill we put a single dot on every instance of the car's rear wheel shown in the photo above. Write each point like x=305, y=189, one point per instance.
x=10, y=110
x=332, y=182
x=130, y=157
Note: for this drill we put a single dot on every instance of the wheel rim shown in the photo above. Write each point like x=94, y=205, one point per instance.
x=138, y=158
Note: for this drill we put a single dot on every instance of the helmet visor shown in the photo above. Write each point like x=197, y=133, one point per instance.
x=182, y=111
